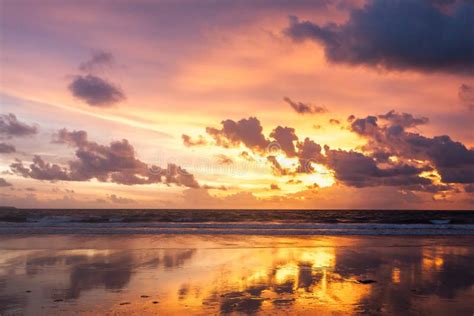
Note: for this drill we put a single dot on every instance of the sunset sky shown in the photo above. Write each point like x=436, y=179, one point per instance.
x=237, y=104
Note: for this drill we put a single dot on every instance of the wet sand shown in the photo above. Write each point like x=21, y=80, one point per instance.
x=206, y=275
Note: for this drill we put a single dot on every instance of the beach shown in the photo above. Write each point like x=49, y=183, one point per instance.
x=205, y=157
x=201, y=274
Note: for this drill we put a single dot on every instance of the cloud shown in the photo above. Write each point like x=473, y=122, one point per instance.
x=431, y=188
x=189, y=142
x=4, y=183
x=274, y=186
x=96, y=91
x=401, y=35
x=74, y=138
x=453, y=161
x=11, y=127
x=98, y=59
x=349, y=167
x=466, y=96
x=356, y=169
x=116, y=163
x=302, y=108
x=404, y=120
x=120, y=200
x=6, y=148
x=246, y=131
x=308, y=152
x=41, y=170
x=334, y=122
x=392, y=156
x=285, y=138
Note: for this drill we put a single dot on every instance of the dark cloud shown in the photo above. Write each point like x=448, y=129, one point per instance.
x=116, y=163
x=431, y=188
x=404, y=120
x=96, y=91
x=454, y=162
x=120, y=200
x=303, y=108
x=452, y=159
x=98, y=59
x=11, y=127
x=4, y=183
x=41, y=170
x=175, y=174
x=246, y=131
x=365, y=126
x=308, y=149
x=380, y=156
x=74, y=138
x=356, y=169
x=334, y=122
x=398, y=35
x=308, y=152
x=466, y=96
x=6, y=148
x=349, y=167
x=285, y=138
x=274, y=186
x=189, y=142
x=392, y=156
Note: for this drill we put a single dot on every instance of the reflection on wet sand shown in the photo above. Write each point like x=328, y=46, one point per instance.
x=211, y=276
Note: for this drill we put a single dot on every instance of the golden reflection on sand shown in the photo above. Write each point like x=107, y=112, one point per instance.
x=221, y=275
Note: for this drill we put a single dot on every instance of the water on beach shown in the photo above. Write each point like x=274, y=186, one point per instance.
x=201, y=274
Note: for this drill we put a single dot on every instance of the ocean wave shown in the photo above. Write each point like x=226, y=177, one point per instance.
x=243, y=222
x=52, y=227
x=237, y=216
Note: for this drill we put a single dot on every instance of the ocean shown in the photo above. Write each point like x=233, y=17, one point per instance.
x=236, y=222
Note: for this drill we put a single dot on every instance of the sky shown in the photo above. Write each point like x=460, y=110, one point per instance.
x=327, y=104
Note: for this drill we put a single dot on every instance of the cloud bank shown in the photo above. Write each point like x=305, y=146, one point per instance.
x=96, y=91
x=392, y=156
x=10, y=127
x=398, y=35
x=115, y=163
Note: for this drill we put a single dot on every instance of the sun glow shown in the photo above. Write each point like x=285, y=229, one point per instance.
x=321, y=176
